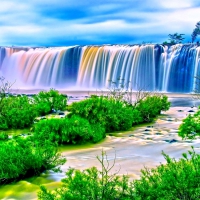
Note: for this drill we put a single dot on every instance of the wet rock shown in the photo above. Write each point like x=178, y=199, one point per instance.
x=131, y=135
x=149, y=126
x=188, y=141
x=166, y=140
x=169, y=119
x=53, y=111
x=146, y=133
x=191, y=111
x=61, y=113
x=171, y=141
x=180, y=110
x=147, y=130
x=158, y=133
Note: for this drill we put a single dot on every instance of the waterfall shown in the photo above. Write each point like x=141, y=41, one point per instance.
x=146, y=67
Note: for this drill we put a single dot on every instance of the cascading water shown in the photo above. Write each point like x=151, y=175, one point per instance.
x=147, y=67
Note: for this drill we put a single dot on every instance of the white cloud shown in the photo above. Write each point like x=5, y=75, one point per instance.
x=22, y=19
x=176, y=4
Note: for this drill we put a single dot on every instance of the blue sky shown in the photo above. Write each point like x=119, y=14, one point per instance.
x=94, y=22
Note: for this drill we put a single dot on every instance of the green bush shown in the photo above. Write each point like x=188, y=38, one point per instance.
x=68, y=130
x=113, y=114
x=177, y=179
x=3, y=123
x=151, y=106
x=190, y=128
x=21, y=158
x=137, y=117
x=98, y=132
x=90, y=184
x=3, y=136
x=17, y=112
x=174, y=180
x=45, y=102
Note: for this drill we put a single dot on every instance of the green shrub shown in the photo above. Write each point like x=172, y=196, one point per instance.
x=18, y=112
x=45, y=102
x=137, y=118
x=111, y=113
x=3, y=123
x=21, y=158
x=177, y=179
x=174, y=180
x=3, y=136
x=68, y=130
x=90, y=184
x=98, y=132
x=190, y=127
x=151, y=106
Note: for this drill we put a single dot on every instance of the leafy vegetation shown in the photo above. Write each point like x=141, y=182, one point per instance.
x=174, y=180
x=190, y=127
x=174, y=39
x=20, y=111
x=3, y=136
x=91, y=118
x=68, y=130
x=111, y=113
x=90, y=184
x=50, y=100
x=88, y=121
x=177, y=179
x=196, y=31
x=116, y=114
x=23, y=157
x=151, y=106
x=17, y=112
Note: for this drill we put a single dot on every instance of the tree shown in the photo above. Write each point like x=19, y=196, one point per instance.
x=176, y=38
x=196, y=31
x=4, y=91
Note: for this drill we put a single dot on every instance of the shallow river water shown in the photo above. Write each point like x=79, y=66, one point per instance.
x=132, y=150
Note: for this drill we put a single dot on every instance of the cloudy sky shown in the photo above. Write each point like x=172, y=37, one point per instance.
x=82, y=22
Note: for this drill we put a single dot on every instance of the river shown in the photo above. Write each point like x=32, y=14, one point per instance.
x=132, y=150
